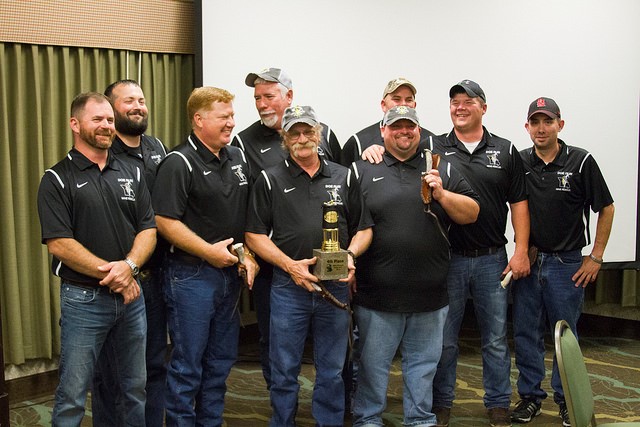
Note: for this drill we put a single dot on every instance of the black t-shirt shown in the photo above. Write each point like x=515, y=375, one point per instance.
x=206, y=193
x=560, y=196
x=360, y=141
x=288, y=202
x=147, y=157
x=102, y=210
x=495, y=172
x=405, y=268
x=263, y=147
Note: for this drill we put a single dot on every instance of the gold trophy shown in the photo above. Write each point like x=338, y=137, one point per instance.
x=332, y=262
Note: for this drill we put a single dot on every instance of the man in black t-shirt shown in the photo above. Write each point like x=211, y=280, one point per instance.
x=133, y=146
x=262, y=145
x=564, y=183
x=401, y=299
x=200, y=198
x=98, y=225
x=284, y=226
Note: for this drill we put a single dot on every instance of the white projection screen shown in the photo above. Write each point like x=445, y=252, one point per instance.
x=340, y=54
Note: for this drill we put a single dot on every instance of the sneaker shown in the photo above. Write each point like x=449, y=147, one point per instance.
x=442, y=416
x=564, y=414
x=499, y=417
x=525, y=411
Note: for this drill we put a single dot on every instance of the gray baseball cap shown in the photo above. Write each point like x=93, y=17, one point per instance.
x=469, y=87
x=394, y=84
x=271, y=75
x=401, y=112
x=299, y=114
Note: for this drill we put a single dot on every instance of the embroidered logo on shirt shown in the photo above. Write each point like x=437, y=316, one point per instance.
x=333, y=189
x=378, y=178
x=82, y=185
x=206, y=173
x=563, y=181
x=288, y=190
x=127, y=186
x=242, y=178
x=448, y=153
x=493, y=161
x=264, y=150
x=157, y=158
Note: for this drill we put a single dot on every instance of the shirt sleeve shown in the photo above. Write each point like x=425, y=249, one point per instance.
x=54, y=208
x=170, y=193
x=597, y=192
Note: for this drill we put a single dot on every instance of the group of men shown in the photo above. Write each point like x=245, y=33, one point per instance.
x=423, y=216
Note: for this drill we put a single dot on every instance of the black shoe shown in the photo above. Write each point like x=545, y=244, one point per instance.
x=564, y=414
x=525, y=411
x=442, y=416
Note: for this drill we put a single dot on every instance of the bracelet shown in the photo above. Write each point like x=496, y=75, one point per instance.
x=353, y=256
x=596, y=260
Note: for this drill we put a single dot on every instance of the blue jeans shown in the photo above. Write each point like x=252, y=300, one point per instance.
x=419, y=337
x=547, y=295
x=293, y=311
x=93, y=317
x=262, y=302
x=204, y=326
x=105, y=394
x=479, y=278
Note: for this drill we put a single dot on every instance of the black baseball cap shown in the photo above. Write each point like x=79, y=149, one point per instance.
x=545, y=106
x=469, y=87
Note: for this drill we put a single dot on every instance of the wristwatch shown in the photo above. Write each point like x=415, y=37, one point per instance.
x=134, y=267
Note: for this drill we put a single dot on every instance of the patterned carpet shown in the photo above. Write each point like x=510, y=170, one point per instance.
x=613, y=364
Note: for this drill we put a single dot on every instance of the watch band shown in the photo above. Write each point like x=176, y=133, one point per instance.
x=134, y=267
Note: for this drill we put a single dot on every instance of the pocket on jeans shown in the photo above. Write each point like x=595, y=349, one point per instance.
x=184, y=273
x=77, y=294
x=570, y=258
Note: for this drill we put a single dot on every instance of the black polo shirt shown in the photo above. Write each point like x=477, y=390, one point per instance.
x=287, y=201
x=263, y=147
x=102, y=210
x=405, y=268
x=358, y=142
x=147, y=157
x=495, y=172
x=560, y=196
x=208, y=194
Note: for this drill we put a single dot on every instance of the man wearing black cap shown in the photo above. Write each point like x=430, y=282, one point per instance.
x=261, y=143
x=284, y=226
x=563, y=182
x=478, y=261
x=401, y=296
x=398, y=91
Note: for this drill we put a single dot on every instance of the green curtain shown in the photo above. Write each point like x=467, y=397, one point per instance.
x=37, y=84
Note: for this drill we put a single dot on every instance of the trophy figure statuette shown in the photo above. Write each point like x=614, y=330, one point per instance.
x=332, y=262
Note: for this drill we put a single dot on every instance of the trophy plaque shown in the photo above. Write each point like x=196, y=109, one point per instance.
x=332, y=262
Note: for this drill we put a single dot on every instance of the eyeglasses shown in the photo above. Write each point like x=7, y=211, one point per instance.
x=295, y=135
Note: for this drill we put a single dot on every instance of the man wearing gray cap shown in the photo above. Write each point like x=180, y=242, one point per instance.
x=401, y=296
x=285, y=218
x=494, y=169
x=398, y=91
x=261, y=143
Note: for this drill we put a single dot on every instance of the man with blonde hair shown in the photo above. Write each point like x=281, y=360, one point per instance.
x=200, y=198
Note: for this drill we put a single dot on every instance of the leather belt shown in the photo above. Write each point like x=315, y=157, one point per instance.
x=474, y=253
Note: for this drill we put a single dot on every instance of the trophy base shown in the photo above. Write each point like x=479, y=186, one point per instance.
x=331, y=265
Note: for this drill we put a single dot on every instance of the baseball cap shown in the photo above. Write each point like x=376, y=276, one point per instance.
x=545, y=106
x=401, y=112
x=298, y=114
x=396, y=83
x=470, y=87
x=271, y=75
